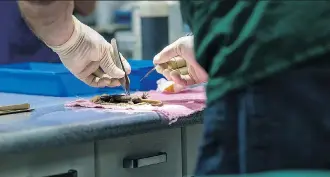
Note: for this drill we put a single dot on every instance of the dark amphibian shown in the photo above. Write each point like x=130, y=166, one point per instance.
x=124, y=100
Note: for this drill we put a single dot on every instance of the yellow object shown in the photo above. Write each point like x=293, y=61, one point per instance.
x=176, y=63
x=15, y=107
x=10, y=109
x=169, y=88
x=166, y=86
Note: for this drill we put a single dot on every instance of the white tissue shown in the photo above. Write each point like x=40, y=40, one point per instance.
x=162, y=84
x=166, y=86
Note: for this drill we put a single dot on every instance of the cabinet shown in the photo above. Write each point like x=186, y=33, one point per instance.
x=50, y=162
x=151, y=154
x=163, y=153
x=192, y=136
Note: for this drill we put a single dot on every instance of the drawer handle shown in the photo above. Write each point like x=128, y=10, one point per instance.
x=146, y=160
x=70, y=173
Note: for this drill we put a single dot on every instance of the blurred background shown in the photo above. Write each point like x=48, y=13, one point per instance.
x=140, y=27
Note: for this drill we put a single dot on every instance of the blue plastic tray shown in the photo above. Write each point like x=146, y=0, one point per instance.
x=55, y=80
x=139, y=69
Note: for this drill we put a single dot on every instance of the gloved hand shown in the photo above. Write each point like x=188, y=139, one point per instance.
x=178, y=64
x=90, y=57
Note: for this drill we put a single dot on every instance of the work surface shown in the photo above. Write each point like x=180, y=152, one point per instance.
x=51, y=124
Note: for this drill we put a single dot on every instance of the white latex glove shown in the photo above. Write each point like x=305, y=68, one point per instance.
x=178, y=64
x=90, y=57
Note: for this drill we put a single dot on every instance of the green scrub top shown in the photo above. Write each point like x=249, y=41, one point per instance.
x=239, y=42
x=284, y=173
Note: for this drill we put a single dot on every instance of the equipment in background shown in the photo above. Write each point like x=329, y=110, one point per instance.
x=125, y=38
x=155, y=25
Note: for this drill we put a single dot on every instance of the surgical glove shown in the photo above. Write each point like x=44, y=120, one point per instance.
x=90, y=57
x=178, y=64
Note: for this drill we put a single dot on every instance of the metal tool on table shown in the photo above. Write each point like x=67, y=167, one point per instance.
x=125, y=82
x=12, y=109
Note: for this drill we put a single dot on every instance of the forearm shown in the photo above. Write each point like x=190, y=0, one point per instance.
x=50, y=20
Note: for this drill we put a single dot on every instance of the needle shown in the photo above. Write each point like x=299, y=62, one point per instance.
x=148, y=73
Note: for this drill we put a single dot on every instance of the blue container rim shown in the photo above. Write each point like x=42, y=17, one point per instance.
x=24, y=71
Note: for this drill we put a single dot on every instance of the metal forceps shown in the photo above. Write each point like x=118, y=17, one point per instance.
x=124, y=82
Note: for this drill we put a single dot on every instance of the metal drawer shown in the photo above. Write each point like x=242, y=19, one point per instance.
x=146, y=155
x=68, y=161
x=192, y=136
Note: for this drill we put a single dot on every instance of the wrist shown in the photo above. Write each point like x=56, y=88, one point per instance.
x=64, y=31
x=51, y=21
x=71, y=38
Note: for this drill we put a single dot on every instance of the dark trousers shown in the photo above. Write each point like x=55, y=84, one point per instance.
x=279, y=123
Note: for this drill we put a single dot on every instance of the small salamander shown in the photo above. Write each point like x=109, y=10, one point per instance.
x=131, y=99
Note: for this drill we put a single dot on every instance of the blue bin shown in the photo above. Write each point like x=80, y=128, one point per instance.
x=52, y=79
x=139, y=69
x=123, y=17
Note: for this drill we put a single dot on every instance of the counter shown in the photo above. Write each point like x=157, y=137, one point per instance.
x=53, y=129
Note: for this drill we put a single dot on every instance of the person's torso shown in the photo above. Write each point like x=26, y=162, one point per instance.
x=240, y=42
x=17, y=42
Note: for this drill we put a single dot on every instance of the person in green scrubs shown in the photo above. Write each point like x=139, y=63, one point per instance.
x=267, y=64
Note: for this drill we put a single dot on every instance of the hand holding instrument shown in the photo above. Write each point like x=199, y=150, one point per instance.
x=84, y=52
x=171, y=64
